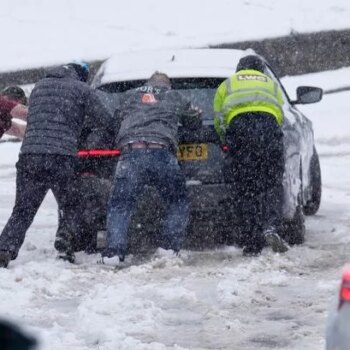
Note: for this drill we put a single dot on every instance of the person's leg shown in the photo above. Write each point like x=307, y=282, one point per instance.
x=250, y=222
x=171, y=184
x=272, y=208
x=30, y=192
x=246, y=200
x=128, y=185
x=272, y=169
x=64, y=186
x=258, y=165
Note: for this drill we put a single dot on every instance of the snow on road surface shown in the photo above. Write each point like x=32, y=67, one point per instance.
x=200, y=300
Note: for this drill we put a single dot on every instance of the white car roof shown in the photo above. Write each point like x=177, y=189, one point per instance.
x=178, y=63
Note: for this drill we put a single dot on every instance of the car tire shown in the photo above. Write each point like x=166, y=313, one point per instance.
x=294, y=229
x=312, y=205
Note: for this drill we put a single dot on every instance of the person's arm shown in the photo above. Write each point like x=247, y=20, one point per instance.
x=16, y=130
x=99, y=122
x=20, y=112
x=219, y=99
x=97, y=110
x=190, y=116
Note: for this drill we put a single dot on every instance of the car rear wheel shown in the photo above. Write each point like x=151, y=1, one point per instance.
x=312, y=205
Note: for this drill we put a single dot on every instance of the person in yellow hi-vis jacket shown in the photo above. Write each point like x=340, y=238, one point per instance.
x=248, y=118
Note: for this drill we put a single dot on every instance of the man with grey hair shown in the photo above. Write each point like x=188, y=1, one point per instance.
x=149, y=117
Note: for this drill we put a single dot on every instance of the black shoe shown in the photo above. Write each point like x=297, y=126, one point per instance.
x=5, y=258
x=275, y=241
x=67, y=256
x=176, y=252
x=65, y=249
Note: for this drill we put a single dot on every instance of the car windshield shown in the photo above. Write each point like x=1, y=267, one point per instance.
x=200, y=91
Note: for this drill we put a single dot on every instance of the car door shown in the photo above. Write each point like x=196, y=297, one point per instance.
x=298, y=149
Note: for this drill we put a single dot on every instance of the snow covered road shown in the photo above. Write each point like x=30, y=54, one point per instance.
x=201, y=300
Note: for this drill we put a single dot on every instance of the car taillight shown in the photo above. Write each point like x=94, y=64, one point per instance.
x=344, y=295
x=87, y=174
x=99, y=153
x=224, y=148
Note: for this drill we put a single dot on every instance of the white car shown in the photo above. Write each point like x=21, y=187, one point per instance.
x=197, y=73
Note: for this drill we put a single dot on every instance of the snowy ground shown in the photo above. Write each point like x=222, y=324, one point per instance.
x=208, y=300
x=201, y=300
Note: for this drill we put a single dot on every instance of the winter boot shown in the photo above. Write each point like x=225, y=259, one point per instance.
x=63, y=244
x=5, y=258
x=274, y=240
x=66, y=256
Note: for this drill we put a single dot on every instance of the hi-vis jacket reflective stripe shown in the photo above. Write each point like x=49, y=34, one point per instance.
x=246, y=91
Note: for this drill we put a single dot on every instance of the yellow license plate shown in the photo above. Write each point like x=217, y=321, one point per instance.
x=195, y=151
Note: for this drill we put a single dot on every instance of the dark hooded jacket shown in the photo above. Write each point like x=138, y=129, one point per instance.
x=153, y=113
x=57, y=108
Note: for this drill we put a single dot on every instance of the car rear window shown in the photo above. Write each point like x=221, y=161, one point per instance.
x=199, y=90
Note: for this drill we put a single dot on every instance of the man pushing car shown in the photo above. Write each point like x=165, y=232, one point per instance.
x=249, y=114
x=149, y=117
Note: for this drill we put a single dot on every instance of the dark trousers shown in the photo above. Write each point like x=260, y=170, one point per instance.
x=136, y=169
x=36, y=174
x=255, y=164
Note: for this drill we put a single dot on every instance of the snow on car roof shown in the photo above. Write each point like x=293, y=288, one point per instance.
x=177, y=63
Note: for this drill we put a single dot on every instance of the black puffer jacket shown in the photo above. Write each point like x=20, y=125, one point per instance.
x=153, y=113
x=57, y=108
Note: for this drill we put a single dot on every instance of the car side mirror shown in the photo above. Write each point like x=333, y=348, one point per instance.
x=308, y=94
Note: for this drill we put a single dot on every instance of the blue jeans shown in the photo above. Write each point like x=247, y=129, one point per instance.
x=136, y=169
